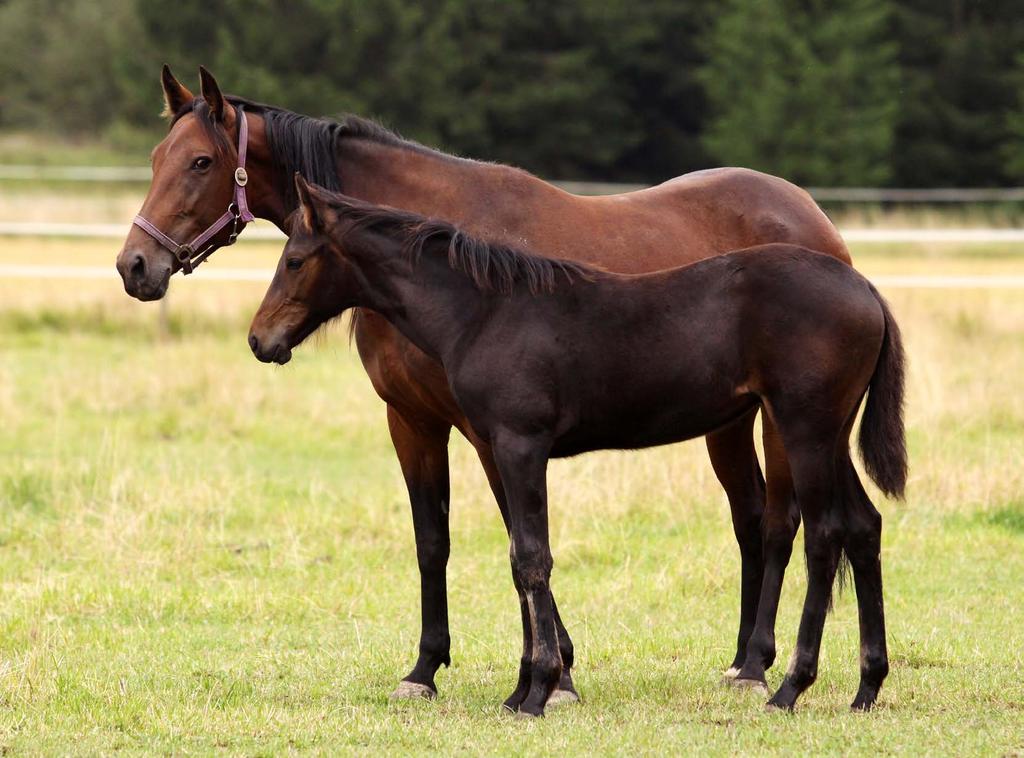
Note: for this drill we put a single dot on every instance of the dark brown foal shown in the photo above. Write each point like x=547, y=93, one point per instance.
x=665, y=357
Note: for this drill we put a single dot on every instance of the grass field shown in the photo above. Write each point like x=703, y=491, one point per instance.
x=200, y=553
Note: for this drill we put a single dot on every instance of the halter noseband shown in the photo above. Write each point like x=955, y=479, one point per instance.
x=238, y=215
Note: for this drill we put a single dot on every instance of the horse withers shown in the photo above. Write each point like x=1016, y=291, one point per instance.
x=551, y=358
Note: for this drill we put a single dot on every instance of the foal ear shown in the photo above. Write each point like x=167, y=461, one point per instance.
x=211, y=94
x=176, y=94
x=307, y=205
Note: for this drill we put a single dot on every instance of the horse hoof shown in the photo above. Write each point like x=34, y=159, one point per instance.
x=524, y=716
x=562, y=697
x=772, y=708
x=731, y=673
x=413, y=691
x=753, y=685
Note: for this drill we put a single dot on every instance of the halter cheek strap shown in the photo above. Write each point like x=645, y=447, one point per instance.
x=193, y=253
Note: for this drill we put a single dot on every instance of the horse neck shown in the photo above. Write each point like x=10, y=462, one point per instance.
x=427, y=301
x=479, y=197
x=264, y=189
x=469, y=193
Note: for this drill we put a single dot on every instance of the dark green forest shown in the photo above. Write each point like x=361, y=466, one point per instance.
x=912, y=93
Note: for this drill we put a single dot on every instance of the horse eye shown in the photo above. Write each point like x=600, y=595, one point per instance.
x=293, y=264
x=200, y=163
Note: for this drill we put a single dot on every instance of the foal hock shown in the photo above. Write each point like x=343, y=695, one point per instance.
x=550, y=358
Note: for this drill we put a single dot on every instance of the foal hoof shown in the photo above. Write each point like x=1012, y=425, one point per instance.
x=730, y=673
x=752, y=685
x=862, y=705
x=562, y=697
x=413, y=691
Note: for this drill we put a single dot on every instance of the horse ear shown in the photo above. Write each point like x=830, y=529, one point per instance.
x=306, y=204
x=211, y=94
x=176, y=94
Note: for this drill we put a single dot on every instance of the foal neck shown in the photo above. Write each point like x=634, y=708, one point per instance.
x=424, y=298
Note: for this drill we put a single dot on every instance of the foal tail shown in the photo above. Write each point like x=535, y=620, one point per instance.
x=883, y=444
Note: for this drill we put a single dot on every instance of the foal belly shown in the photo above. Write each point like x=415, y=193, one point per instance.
x=630, y=426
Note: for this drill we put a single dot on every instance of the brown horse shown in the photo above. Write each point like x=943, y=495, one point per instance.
x=551, y=358
x=690, y=218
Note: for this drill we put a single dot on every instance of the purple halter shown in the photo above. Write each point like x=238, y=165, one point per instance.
x=237, y=214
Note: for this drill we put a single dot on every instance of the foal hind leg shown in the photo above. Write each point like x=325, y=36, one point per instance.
x=422, y=448
x=566, y=691
x=814, y=478
x=863, y=545
x=780, y=523
x=734, y=460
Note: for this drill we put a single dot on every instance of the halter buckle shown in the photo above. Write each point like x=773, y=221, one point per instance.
x=241, y=177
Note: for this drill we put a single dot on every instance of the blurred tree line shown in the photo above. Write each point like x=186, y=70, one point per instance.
x=844, y=92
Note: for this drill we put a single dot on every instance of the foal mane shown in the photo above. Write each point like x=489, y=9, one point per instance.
x=490, y=266
x=298, y=143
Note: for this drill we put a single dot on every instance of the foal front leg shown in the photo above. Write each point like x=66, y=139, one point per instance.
x=522, y=464
x=566, y=691
x=422, y=448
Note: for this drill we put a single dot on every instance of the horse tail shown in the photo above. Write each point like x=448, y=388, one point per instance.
x=882, y=440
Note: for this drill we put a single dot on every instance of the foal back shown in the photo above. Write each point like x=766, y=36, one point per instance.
x=637, y=361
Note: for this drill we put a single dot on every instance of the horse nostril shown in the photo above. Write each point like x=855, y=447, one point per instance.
x=138, y=267
x=254, y=344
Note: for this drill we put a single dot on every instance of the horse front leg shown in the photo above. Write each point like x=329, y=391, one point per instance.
x=422, y=448
x=566, y=690
x=522, y=465
x=734, y=460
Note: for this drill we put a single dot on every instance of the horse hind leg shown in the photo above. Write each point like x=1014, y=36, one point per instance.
x=734, y=461
x=862, y=543
x=780, y=523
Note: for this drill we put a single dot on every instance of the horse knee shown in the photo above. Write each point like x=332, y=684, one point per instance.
x=748, y=530
x=432, y=553
x=531, y=568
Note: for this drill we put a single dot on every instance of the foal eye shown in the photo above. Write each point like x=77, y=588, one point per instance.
x=293, y=264
x=202, y=162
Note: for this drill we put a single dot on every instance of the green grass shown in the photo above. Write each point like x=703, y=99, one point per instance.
x=203, y=554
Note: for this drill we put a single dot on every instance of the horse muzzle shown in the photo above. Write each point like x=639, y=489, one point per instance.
x=142, y=279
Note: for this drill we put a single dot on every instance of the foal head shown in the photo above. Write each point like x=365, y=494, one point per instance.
x=311, y=284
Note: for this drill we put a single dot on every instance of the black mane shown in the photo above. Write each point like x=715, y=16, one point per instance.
x=490, y=266
x=298, y=143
